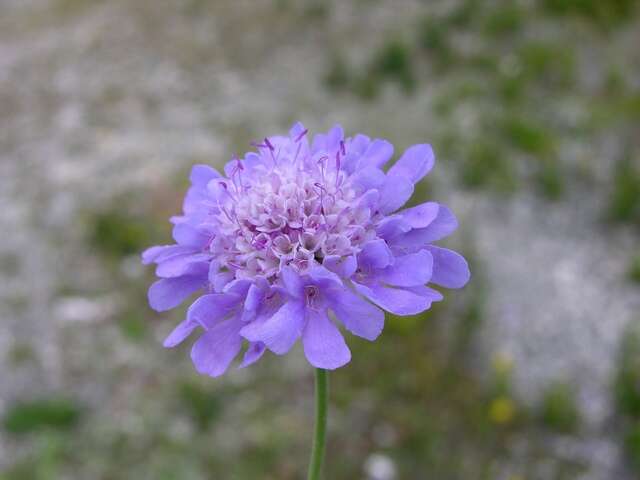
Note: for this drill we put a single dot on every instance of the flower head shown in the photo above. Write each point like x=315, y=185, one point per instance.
x=297, y=237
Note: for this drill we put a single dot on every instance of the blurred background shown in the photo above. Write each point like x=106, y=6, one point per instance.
x=533, y=109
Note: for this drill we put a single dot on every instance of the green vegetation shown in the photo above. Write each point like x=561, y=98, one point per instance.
x=116, y=233
x=634, y=269
x=133, y=323
x=434, y=41
x=604, y=13
x=527, y=135
x=464, y=14
x=550, y=179
x=20, y=354
x=45, y=463
x=33, y=415
x=632, y=444
x=366, y=86
x=625, y=198
x=627, y=393
x=337, y=77
x=559, y=409
x=393, y=62
x=203, y=406
x=506, y=19
x=628, y=377
x=552, y=64
x=486, y=164
x=473, y=315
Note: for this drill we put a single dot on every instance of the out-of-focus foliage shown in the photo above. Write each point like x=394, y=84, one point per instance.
x=628, y=394
x=56, y=413
x=559, y=410
x=605, y=14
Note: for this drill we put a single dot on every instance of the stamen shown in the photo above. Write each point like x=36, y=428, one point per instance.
x=226, y=189
x=322, y=191
x=321, y=163
x=295, y=159
x=302, y=134
x=236, y=170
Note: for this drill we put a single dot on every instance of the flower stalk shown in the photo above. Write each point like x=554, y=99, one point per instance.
x=320, y=430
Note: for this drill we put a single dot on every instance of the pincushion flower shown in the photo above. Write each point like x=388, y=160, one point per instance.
x=297, y=239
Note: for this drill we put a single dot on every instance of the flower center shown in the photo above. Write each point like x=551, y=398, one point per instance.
x=284, y=215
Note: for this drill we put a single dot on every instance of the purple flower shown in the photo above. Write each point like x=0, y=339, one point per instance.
x=297, y=238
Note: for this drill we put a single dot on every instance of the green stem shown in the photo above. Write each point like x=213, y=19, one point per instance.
x=320, y=432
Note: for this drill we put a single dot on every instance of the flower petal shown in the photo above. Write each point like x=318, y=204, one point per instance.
x=414, y=163
x=168, y=293
x=255, y=294
x=238, y=287
x=444, y=225
x=253, y=353
x=208, y=310
x=183, y=265
x=425, y=291
x=214, y=351
x=334, y=137
x=323, y=343
x=368, y=178
x=399, y=301
x=292, y=282
x=324, y=278
x=178, y=334
x=450, y=269
x=421, y=215
x=409, y=270
x=345, y=267
x=359, y=316
x=355, y=147
x=394, y=193
x=161, y=253
x=377, y=154
x=151, y=253
x=202, y=174
x=219, y=281
x=391, y=227
x=187, y=235
x=440, y=227
x=280, y=331
x=374, y=255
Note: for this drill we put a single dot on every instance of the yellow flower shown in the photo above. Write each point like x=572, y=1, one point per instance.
x=502, y=410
